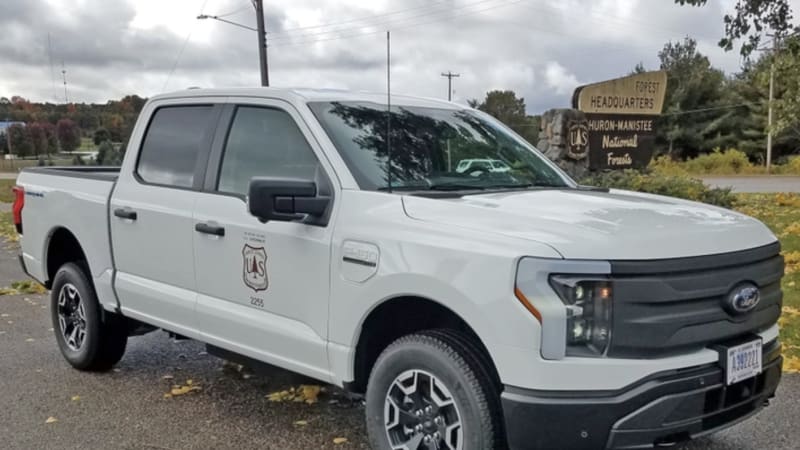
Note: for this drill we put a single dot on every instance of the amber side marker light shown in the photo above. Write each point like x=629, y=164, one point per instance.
x=532, y=309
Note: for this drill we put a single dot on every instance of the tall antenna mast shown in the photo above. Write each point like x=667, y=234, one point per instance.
x=52, y=71
x=388, y=111
x=64, y=76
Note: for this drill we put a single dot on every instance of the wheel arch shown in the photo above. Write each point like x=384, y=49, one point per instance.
x=60, y=248
x=398, y=316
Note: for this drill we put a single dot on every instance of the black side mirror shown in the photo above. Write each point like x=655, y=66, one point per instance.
x=284, y=199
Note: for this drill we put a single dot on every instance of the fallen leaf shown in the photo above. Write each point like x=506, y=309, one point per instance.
x=51, y=419
x=182, y=390
x=301, y=423
x=76, y=398
x=339, y=440
x=30, y=340
x=167, y=377
x=188, y=382
x=167, y=395
x=4, y=315
x=305, y=393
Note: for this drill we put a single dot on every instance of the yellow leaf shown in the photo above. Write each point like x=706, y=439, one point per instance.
x=30, y=340
x=301, y=423
x=167, y=377
x=182, y=390
x=188, y=382
x=76, y=398
x=51, y=419
x=339, y=440
x=167, y=395
x=309, y=392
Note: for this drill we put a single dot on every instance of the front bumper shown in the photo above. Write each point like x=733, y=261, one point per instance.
x=659, y=410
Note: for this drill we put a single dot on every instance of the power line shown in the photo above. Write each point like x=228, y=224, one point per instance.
x=183, y=47
x=236, y=11
x=387, y=23
x=368, y=33
x=713, y=108
x=365, y=18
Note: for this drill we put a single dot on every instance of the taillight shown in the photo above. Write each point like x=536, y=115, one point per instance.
x=19, y=203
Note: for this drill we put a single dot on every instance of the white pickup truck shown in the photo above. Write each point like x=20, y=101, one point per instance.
x=325, y=233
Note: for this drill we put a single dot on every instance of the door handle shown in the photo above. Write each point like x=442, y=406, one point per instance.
x=207, y=228
x=125, y=213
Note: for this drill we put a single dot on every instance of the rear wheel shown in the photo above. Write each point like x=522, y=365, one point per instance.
x=86, y=341
x=426, y=392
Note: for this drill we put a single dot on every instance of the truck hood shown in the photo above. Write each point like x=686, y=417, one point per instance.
x=616, y=225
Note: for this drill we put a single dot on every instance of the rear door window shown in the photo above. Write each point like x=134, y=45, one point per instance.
x=172, y=145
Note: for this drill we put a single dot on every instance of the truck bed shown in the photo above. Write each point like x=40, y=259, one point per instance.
x=70, y=200
x=105, y=173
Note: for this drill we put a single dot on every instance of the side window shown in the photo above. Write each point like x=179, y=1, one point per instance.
x=264, y=142
x=172, y=144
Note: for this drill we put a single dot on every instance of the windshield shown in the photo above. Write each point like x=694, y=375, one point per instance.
x=431, y=148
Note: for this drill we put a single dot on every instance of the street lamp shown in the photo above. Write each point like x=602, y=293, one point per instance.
x=262, y=37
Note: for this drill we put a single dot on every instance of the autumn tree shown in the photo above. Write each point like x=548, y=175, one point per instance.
x=38, y=138
x=69, y=135
x=19, y=140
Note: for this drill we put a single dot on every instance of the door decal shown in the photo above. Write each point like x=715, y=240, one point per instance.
x=254, y=267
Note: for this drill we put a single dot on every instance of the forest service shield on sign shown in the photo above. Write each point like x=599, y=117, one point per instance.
x=254, y=268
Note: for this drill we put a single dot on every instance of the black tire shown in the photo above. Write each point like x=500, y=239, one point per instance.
x=455, y=363
x=105, y=334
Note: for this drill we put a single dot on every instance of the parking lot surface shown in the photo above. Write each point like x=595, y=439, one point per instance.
x=127, y=408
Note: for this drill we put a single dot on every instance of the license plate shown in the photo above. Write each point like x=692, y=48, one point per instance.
x=744, y=361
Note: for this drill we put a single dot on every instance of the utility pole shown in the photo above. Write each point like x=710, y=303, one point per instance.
x=64, y=77
x=262, y=42
x=450, y=75
x=771, y=97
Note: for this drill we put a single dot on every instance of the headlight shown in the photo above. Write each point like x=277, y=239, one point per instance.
x=589, y=306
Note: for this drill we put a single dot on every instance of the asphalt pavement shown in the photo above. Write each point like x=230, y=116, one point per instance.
x=756, y=183
x=127, y=409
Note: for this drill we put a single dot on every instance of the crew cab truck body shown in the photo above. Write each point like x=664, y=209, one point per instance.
x=319, y=232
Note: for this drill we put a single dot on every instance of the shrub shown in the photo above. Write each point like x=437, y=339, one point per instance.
x=680, y=186
x=729, y=162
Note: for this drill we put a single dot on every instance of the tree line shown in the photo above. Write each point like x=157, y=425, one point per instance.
x=704, y=108
x=49, y=128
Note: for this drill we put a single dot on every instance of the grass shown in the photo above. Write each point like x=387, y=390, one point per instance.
x=9, y=165
x=781, y=213
x=6, y=195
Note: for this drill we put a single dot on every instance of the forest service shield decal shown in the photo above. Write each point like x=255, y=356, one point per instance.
x=254, y=269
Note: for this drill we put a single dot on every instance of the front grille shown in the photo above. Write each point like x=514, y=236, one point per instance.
x=671, y=307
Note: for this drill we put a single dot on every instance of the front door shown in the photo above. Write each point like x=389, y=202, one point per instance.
x=262, y=287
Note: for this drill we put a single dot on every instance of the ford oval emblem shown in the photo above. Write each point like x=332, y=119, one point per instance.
x=743, y=298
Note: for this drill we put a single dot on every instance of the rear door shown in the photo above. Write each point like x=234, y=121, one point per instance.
x=263, y=288
x=151, y=214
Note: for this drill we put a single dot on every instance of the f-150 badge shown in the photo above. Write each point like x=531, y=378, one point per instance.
x=254, y=269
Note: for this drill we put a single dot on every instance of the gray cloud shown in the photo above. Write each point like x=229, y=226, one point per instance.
x=539, y=49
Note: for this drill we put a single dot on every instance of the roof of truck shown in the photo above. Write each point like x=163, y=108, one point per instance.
x=309, y=95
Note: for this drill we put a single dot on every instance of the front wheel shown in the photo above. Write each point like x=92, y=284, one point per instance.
x=427, y=391
x=86, y=341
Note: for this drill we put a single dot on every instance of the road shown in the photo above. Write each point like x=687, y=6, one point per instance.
x=126, y=408
x=760, y=184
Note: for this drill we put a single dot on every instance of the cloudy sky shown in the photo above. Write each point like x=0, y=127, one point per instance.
x=540, y=48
